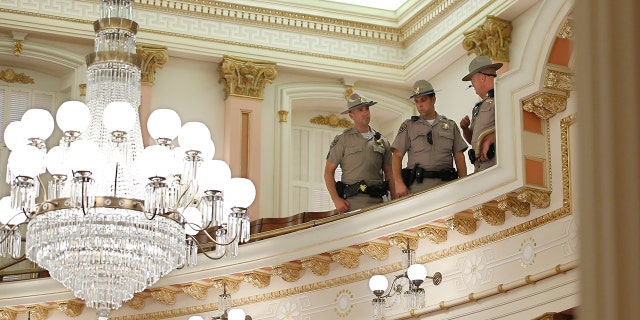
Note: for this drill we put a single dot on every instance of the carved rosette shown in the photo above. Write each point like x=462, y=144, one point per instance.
x=287, y=272
x=332, y=121
x=545, y=105
x=37, y=312
x=490, y=39
x=537, y=197
x=462, y=222
x=71, y=308
x=258, y=279
x=511, y=203
x=319, y=265
x=376, y=250
x=489, y=213
x=7, y=314
x=10, y=76
x=232, y=285
x=153, y=58
x=347, y=258
x=566, y=31
x=435, y=234
x=164, y=296
x=196, y=290
x=246, y=77
x=558, y=80
x=137, y=302
x=402, y=241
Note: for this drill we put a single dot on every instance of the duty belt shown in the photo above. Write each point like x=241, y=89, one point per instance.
x=417, y=174
x=350, y=190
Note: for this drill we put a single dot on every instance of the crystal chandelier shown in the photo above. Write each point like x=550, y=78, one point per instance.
x=411, y=298
x=117, y=216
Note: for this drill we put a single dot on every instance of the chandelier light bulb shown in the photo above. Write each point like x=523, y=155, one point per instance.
x=119, y=116
x=37, y=123
x=417, y=272
x=73, y=116
x=55, y=162
x=378, y=283
x=164, y=123
x=84, y=155
x=236, y=314
x=239, y=192
x=194, y=220
x=26, y=161
x=196, y=318
x=15, y=135
x=213, y=175
x=9, y=216
x=194, y=136
x=155, y=161
x=208, y=150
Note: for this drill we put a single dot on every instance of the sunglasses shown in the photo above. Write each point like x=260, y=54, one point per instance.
x=430, y=137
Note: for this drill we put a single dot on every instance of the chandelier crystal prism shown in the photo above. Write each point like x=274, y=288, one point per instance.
x=117, y=216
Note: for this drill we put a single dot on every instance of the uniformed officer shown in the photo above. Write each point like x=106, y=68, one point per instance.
x=432, y=141
x=363, y=155
x=480, y=130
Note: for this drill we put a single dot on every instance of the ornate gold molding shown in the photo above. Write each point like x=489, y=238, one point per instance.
x=137, y=302
x=545, y=105
x=196, y=290
x=332, y=121
x=246, y=77
x=37, y=312
x=258, y=279
x=435, y=234
x=10, y=76
x=71, y=308
x=348, y=258
x=153, y=58
x=376, y=250
x=558, y=80
x=566, y=31
x=164, y=295
x=318, y=264
x=402, y=241
x=231, y=285
x=490, y=213
x=510, y=202
x=489, y=39
x=288, y=272
x=83, y=89
x=7, y=314
x=463, y=222
x=537, y=197
x=348, y=91
x=17, y=48
x=283, y=115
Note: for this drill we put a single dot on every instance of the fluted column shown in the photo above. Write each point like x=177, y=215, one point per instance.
x=153, y=58
x=245, y=81
x=607, y=77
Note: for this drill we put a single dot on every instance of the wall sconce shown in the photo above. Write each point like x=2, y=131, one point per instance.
x=413, y=297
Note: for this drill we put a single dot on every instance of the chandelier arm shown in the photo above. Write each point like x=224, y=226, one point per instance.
x=206, y=233
x=44, y=190
x=83, y=199
x=390, y=291
x=204, y=252
x=115, y=180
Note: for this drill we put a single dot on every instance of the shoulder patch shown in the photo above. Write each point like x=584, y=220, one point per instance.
x=403, y=127
x=335, y=140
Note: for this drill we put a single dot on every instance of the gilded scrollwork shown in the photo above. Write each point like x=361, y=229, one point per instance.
x=258, y=279
x=376, y=250
x=246, y=77
x=545, y=105
x=164, y=295
x=10, y=76
x=288, y=272
x=537, y=197
x=282, y=114
x=558, y=80
x=7, y=314
x=332, y=121
x=319, y=265
x=348, y=257
x=37, y=312
x=510, y=202
x=435, y=234
x=71, y=308
x=17, y=48
x=566, y=31
x=403, y=241
x=490, y=213
x=490, y=39
x=462, y=222
x=153, y=58
x=196, y=290
x=226, y=283
x=137, y=302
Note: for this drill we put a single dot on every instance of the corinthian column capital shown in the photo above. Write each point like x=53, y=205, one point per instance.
x=491, y=39
x=246, y=77
x=153, y=58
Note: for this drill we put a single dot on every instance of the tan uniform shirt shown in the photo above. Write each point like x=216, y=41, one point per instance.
x=359, y=158
x=413, y=139
x=483, y=118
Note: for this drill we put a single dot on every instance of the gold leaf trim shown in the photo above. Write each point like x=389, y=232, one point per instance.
x=511, y=203
x=231, y=285
x=435, y=234
x=490, y=213
x=537, y=197
x=71, y=308
x=558, y=80
x=402, y=241
x=347, y=258
x=332, y=121
x=376, y=250
x=196, y=290
x=37, y=312
x=165, y=296
x=153, y=58
x=566, y=31
x=10, y=76
x=545, y=105
x=246, y=77
x=288, y=272
x=7, y=314
x=258, y=279
x=319, y=265
x=490, y=39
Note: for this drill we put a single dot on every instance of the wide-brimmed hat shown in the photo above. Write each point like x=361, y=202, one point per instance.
x=480, y=63
x=355, y=100
x=422, y=88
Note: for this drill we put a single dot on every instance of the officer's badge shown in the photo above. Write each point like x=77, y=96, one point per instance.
x=445, y=126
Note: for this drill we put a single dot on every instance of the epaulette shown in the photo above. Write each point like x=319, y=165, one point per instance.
x=415, y=118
